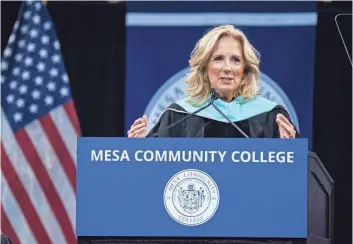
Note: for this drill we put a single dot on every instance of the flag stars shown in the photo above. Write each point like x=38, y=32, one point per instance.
x=17, y=117
x=33, y=33
x=31, y=47
x=38, y=81
x=34, y=78
x=23, y=89
x=56, y=59
x=20, y=103
x=33, y=108
x=48, y=100
x=27, y=15
x=7, y=52
x=43, y=53
x=38, y=5
x=35, y=94
x=19, y=57
x=41, y=66
x=10, y=98
x=36, y=19
x=47, y=25
x=64, y=91
x=45, y=39
x=28, y=61
x=53, y=72
x=25, y=75
x=57, y=45
x=12, y=38
x=24, y=29
x=16, y=25
x=21, y=43
x=4, y=65
x=13, y=85
x=65, y=78
x=51, y=86
x=16, y=71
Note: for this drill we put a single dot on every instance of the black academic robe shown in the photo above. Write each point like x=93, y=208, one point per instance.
x=262, y=125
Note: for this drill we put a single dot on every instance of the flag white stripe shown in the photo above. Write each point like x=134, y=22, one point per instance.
x=211, y=19
x=64, y=126
x=15, y=215
x=53, y=167
x=30, y=183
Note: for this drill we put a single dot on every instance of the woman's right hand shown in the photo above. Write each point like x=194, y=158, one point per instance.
x=138, y=128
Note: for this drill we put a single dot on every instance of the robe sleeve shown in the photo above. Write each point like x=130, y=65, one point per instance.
x=272, y=129
x=168, y=117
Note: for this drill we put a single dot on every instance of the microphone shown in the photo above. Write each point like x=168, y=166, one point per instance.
x=213, y=97
x=216, y=95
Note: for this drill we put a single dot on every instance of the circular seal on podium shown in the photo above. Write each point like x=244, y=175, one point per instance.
x=191, y=197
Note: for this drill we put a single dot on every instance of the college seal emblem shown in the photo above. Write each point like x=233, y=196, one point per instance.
x=191, y=197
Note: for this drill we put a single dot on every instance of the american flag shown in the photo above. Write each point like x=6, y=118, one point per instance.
x=39, y=131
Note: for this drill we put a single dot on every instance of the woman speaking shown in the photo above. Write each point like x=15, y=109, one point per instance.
x=224, y=73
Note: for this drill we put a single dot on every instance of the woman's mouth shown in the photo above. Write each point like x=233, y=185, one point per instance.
x=226, y=79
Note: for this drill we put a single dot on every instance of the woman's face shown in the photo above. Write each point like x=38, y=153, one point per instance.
x=226, y=67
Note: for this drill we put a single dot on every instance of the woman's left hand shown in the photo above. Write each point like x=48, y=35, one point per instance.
x=286, y=129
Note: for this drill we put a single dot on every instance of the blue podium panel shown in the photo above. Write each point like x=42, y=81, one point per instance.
x=192, y=187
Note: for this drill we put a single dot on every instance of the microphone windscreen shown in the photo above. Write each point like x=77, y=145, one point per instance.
x=217, y=95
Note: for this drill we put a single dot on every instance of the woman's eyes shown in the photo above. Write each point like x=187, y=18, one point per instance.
x=235, y=59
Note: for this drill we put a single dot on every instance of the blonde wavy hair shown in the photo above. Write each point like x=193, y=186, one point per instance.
x=197, y=83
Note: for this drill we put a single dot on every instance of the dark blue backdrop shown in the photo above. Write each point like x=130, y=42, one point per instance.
x=160, y=37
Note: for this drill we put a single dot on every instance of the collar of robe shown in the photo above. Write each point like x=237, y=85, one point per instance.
x=237, y=110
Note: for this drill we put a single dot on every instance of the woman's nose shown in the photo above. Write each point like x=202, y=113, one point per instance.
x=227, y=66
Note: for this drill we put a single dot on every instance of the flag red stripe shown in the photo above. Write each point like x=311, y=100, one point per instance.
x=60, y=149
x=23, y=199
x=71, y=112
x=7, y=228
x=47, y=185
